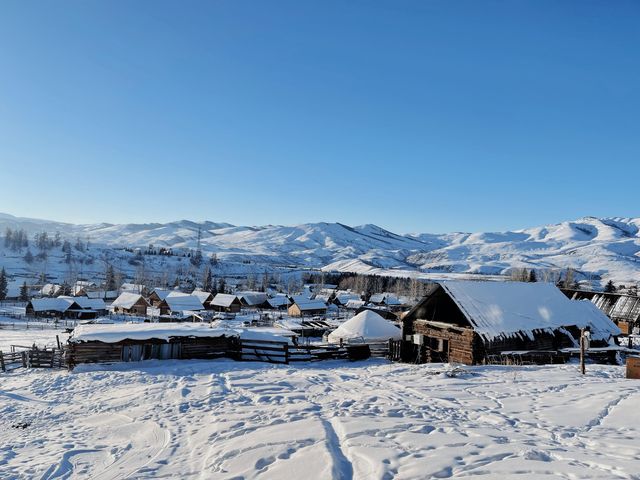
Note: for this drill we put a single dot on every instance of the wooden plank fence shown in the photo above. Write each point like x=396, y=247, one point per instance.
x=275, y=351
x=32, y=358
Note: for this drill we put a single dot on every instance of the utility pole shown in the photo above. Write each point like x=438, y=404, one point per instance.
x=585, y=337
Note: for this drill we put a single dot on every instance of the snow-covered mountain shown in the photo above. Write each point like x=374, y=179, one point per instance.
x=600, y=248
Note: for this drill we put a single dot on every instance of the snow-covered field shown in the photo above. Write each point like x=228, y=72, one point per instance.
x=17, y=333
x=364, y=420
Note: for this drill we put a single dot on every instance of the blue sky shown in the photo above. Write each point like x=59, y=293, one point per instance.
x=414, y=115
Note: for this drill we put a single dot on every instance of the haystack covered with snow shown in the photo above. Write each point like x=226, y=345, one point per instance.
x=367, y=326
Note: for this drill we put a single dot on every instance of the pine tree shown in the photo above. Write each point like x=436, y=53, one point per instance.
x=207, y=280
x=110, y=279
x=3, y=284
x=532, y=276
x=609, y=287
x=28, y=257
x=24, y=292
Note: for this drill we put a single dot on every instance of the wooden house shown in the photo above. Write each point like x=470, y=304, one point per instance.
x=279, y=302
x=225, y=302
x=157, y=295
x=60, y=307
x=471, y=322
x=180, y=303
x=92, y=307
x=253, y=299
x=303, y=306
x=144, y=341
x=204, y=297
x=129, y=303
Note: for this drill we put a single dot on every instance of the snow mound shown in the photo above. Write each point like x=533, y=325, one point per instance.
x=367, y=325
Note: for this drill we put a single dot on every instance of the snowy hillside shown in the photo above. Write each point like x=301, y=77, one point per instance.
x=597, y=248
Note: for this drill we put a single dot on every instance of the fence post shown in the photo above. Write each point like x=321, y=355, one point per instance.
x=286, y=353
x=2, y=362
x=53, y=356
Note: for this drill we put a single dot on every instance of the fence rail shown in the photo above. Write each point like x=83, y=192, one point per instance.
x=32, y=358
x=282, y=352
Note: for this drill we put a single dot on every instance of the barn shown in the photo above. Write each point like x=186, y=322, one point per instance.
x=144, y=341
x=471, y=322
x=130, y=303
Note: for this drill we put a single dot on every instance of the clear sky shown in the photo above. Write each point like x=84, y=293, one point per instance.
x=414, y=115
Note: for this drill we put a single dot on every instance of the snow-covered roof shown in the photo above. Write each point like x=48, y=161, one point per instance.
x=355, y=304
x=202, y=295
x=591, y=316
x=252, y=298
x=223, y=300
x=112, y=333
x=162, y=293
x=127, y=300
x=306, y=304
x=367, y=325
x=344, y=296
x=497, y=309
x=377, y=298
x=88, y=303
x=278, y=301
x=179, y=302
x=322, y=297
x=50, y=289
x=60, y=304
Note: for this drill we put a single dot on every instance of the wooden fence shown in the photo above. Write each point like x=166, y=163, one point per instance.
x=32, y=358
x=275, y=351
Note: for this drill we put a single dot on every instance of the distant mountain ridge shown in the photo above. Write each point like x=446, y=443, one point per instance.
x=599, y=247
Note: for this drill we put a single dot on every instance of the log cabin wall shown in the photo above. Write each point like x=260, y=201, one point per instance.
x=461, y=344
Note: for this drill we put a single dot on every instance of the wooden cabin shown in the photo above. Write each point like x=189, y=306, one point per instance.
x=471, y=322
x=100, y=343
x=279, y=302
x=61, y=307
x=157, y=296
x=129, y=303
x=253, y=299
x=224, y=302
x=302, y=306
x=204, y=297
x=179, y=303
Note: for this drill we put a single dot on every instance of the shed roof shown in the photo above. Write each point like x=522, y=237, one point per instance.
x=306, y=304
x=60, y=304
x=497, y=309
x=128, y=300
x=179, y=302
x=223, y=300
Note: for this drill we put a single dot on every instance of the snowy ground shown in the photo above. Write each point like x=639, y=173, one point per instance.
x=365, y=420
x=14, y=332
